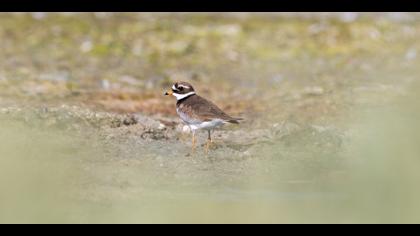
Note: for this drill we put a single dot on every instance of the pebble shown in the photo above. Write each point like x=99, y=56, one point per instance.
x=161, y=126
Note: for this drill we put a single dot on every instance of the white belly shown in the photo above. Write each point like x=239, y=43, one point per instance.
x=208, y=125
x=196, y=124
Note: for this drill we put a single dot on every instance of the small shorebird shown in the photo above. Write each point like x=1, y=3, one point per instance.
x=197, y=112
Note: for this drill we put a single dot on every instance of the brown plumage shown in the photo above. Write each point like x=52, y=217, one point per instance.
x=198, y=112
x=202, y=109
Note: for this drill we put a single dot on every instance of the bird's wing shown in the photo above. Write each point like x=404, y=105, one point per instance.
x=206, y=110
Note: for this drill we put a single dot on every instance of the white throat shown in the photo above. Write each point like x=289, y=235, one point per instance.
x=182, y=96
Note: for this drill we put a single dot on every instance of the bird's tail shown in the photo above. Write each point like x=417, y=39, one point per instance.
x=235, y=120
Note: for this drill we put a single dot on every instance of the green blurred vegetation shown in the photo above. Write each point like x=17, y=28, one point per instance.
x=121, y=62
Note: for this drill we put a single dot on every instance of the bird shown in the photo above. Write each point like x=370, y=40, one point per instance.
x=197, y=112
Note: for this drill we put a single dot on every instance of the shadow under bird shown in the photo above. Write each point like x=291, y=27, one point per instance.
x=197, y=112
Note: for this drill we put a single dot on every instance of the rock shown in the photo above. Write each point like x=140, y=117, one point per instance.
x=130, y=120
x=161, y=126
x=105, y=84
x=186, y=129
x=153, y=134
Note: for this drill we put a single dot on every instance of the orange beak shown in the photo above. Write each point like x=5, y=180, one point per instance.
x=169, y=92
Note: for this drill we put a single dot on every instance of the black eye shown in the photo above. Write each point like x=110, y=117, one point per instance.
x=181, y=88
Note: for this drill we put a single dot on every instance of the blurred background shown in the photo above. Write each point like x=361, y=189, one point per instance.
x=330, y=101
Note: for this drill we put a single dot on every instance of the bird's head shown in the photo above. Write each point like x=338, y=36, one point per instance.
x=181, y=90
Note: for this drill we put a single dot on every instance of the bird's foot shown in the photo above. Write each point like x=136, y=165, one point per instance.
x=210, y=144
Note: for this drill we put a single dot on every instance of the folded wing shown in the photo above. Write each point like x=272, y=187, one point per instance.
x=208, y=111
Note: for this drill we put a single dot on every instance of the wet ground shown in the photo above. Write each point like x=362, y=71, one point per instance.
x=88, y=136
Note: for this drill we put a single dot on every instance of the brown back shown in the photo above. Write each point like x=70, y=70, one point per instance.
x=202, y=109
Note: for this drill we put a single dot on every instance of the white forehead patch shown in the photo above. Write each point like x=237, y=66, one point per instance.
x=183, y=86
x=180, y=86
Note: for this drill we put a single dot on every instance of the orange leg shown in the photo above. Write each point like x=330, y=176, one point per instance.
x=193, y=142
x=209, y=142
